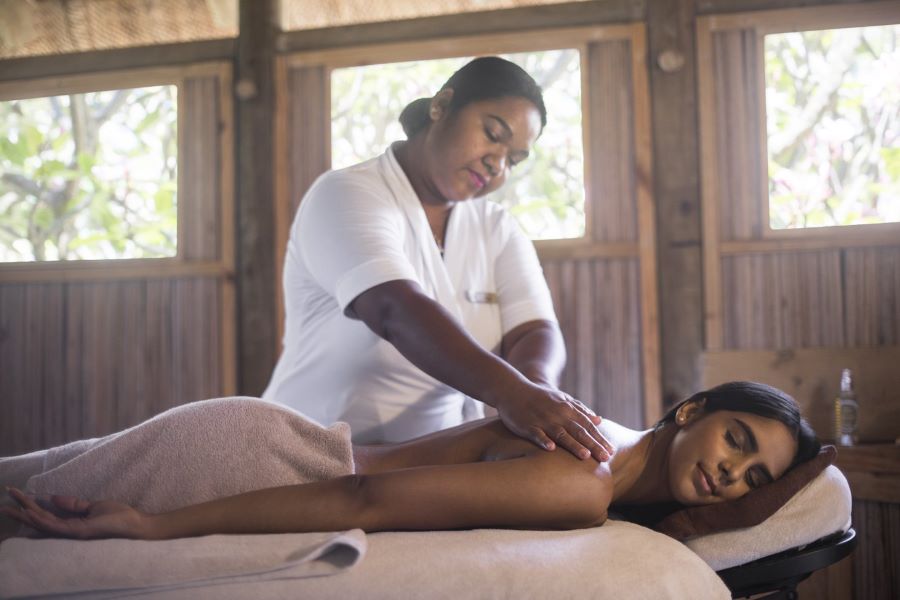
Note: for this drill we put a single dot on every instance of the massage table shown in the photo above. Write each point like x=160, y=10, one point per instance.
x=619, y=559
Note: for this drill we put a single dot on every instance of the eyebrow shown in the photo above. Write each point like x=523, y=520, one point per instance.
x=509, y=132
x=751, y=439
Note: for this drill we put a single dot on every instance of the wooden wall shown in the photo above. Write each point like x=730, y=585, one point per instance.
x=831, y=294
x=94, y=347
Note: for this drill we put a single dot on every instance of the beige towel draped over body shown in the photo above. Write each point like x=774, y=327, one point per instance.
x=189, y=454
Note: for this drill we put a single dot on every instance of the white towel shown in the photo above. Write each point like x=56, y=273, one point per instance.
x=819, y=509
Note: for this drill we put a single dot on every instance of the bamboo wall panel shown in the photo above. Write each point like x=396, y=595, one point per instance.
x=736, y=64
x=86, y=359
x=611, y=187
x=597, y=303
x=201, y=155
x=785, y=300
x=310, y=130
x=872, y=280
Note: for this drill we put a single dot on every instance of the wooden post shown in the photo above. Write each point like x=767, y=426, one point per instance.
x=677, y=193
x=254, y=71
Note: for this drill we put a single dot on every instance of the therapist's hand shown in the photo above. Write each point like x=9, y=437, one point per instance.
x=549, y=418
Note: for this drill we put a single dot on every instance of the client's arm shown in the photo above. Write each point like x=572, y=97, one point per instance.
x=544, y=490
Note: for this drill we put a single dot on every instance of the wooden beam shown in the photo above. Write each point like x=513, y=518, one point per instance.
x=466, y=24
x=58, y=65
x=729, y=6
x=677, y=193
x=254, y=75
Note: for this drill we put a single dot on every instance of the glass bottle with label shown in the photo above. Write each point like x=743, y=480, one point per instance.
x=845, y=412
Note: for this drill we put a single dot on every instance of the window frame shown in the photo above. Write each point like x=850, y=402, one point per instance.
x=815, y=19
x=717, y=246
x=136, y=268
x=577, y=38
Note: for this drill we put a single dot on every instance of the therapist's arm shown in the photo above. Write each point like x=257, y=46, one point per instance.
x=536, y=349
x=430, y=338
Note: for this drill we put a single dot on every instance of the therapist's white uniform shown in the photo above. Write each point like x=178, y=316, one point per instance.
x=363, y=226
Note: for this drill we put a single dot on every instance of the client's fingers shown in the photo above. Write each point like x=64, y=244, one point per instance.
x=71, y=504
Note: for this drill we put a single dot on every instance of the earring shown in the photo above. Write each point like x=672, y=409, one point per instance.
x=680, y=419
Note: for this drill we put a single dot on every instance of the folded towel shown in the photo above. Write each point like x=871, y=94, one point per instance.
x=819, y=509
x=116, y=568
x=193, y=453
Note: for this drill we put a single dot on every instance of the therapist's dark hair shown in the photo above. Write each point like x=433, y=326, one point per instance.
x=758, y=399
x=484, y=78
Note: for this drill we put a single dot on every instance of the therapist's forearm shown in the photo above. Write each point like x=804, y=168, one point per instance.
x=430, y=338
x=536, y=349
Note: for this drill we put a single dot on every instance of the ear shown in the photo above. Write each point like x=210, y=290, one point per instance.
x=440, y=104
x=689, y=411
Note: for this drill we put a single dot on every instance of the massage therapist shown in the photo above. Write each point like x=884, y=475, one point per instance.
x=411, y=299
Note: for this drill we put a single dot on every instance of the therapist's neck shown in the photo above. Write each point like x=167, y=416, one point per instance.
x=413, y=158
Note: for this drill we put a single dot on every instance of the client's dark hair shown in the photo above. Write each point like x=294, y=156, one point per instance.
x=481, y=79
x=758, y=399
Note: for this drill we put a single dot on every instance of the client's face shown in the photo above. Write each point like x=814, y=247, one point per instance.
x=722, y=455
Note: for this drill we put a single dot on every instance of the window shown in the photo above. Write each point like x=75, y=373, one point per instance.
x=89, y=176
x=833, y=127
x=545, y=193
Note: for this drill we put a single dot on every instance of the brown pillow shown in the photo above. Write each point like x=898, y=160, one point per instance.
x=750, y=509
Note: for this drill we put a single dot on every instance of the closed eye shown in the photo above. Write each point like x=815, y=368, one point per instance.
x=732, y=441
x=756, y=479
x=490, y=135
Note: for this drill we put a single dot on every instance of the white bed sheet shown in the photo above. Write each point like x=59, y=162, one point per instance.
x=617, y=560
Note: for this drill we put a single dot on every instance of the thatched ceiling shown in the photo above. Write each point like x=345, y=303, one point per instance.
x=46, y=27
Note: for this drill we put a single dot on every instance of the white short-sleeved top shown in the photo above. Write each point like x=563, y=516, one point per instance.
x=362, y=226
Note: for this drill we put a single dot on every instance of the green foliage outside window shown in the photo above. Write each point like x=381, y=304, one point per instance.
x=89, y=176
x=833, y=122
x=545, y=192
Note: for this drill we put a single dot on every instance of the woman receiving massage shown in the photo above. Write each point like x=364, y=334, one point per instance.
x=714, y=447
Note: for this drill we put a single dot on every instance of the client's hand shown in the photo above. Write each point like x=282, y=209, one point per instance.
x=79, y=519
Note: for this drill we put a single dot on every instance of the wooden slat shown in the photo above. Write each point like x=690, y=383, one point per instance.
x=491, y=22
x=585, y=340
x=617, y=335
x=812, y=377
x=839, y=239
x=810, y=17
x=782, y=300
x=611, y=106
x=710, y=177
x=117, y=59
x=737, y=130
x=578, y=249
x=875, y=559
x=449, y=47
x=646, y=222
x=303, y=152
x=110, y=80
x=199, y=193
x=670, y=28
x=872, y=292
x=873, y=471
x=110, y=270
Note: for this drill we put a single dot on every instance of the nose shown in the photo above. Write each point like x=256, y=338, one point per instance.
x=732, y=470
x=494, y=164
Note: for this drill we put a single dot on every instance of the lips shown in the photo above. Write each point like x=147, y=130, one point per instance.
x=705, y=482
x=477, y=180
